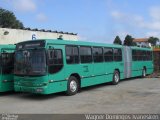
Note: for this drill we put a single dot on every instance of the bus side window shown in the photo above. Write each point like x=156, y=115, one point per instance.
x=72, y=55
x=85, y=54
x=55, y=60
x=108, y=54
x=117, y=54
x=134, y=55
x=97, y=54
x=149, y=55
x=7, y=62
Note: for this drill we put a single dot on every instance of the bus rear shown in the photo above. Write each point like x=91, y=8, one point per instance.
x=6, y=67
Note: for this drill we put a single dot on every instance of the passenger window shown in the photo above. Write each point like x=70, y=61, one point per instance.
x=144, y=56
x=134, y=56
x=141, y=55
x=97, y=54
x=149, y=55
x=108, y=54
x=85, y=54
x=117, y=54
x=72, y=55
x=7, y=62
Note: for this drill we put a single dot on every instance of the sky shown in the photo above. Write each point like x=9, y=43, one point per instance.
x=93, y=20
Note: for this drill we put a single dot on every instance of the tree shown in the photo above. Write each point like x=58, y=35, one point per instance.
x=8, y=19
x=153, y=40
x=117, y=40
x=129, y=41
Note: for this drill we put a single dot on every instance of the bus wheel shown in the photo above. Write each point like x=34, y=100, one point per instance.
x=144, y=72
x=72, y=86
x=116, y=78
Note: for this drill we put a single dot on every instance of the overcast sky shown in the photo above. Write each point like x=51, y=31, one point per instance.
x=93, y=20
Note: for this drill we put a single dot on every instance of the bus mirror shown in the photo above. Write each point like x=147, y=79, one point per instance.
x=51, y=48
x=51, y=54
x=3, y=51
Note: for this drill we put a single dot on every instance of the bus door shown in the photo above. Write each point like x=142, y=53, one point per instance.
x=56, y=63
x=127, y=61
x=86, y=66
x=99, y=66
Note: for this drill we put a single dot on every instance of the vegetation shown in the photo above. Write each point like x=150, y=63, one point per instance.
x=153, y=40
x=129, y=41
x=9, y=20
x=117, y=40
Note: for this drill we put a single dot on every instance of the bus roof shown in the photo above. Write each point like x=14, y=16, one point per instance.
x=7, y=46
x=83, y=43
x=69, y=42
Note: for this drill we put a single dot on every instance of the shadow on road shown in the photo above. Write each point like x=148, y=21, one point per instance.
x=105, y=85
x=8, y=93
x=30, y=96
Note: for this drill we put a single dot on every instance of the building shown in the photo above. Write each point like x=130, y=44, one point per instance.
x=142, y=42
x=12, y=36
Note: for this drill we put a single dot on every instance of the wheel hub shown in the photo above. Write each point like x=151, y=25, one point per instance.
x=73, y=86
x=116, y=77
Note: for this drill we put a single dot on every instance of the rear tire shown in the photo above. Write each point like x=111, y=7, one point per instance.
x=72, y=86
x=144, y=72
x=116, y=78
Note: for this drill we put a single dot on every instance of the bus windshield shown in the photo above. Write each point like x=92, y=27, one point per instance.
x=30, y=62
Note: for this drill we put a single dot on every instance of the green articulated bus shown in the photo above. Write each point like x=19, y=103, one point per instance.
x=6, y=67
x=50, y=66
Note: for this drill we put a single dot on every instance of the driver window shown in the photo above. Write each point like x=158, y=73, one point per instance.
x=55, y=60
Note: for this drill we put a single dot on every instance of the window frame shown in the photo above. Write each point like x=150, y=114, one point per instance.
x=108, y=55
x=102, y=55
x=80, y=54
x=117, y=60
x=76, y=46
x=53, y=65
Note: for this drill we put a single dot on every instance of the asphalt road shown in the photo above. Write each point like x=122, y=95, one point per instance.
x=140, y=95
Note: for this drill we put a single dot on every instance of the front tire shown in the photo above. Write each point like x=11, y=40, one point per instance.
x=72, y=86
x=116, y=78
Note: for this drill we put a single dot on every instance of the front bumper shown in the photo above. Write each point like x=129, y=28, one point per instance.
x=37, y=90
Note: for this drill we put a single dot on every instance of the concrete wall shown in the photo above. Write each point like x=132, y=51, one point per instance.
x=12, y=36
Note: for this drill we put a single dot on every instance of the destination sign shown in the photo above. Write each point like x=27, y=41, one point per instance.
x=30, y=44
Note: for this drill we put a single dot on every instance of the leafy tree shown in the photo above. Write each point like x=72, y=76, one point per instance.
x=128, y=41
x=8, y=19
x=117, y=40
x=134, y=44
x=153, y=40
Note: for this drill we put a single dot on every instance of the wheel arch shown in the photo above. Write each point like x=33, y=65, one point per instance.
x=117, y=70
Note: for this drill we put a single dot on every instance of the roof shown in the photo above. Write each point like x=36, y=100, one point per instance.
x=7, y=46
x=140, y=40
x=43, y=30
x=156, y=49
